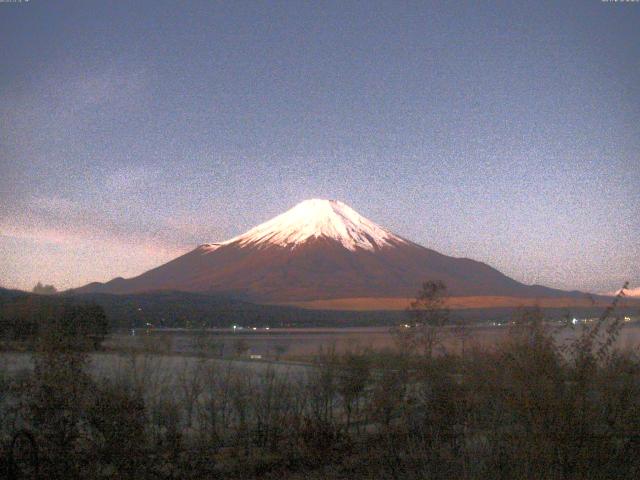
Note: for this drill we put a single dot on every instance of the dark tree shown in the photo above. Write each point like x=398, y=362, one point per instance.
x=428, y=314
x=41, y=289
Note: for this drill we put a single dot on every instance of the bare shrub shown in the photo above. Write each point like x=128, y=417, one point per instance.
x=427, y=315
x=116, y=420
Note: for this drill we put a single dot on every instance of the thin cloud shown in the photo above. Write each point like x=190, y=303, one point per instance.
x=77, y=238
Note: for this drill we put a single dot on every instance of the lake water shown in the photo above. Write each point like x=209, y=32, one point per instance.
x=302, y=342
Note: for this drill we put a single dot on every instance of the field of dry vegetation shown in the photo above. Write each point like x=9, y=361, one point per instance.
x=532, y=406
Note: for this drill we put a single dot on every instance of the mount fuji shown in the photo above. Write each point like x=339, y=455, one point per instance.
x=323, y=254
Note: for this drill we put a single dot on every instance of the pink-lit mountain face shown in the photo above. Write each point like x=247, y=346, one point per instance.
x=320, y=250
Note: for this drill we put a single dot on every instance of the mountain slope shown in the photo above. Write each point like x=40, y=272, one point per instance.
x=318, y=250
x=629, y=292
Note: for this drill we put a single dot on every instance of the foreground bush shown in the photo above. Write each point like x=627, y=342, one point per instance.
x=529, y=408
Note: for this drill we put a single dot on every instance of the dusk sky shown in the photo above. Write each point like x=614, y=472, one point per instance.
x=130, y=132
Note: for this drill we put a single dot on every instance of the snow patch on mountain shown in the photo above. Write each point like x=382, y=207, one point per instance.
x=629, y=292
x=318, y=218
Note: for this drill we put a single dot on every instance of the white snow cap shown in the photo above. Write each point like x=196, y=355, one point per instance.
x=319, y=218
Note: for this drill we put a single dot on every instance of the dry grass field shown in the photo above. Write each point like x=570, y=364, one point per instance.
x=389, y=303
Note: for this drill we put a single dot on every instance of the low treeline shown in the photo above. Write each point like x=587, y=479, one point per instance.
x=528, y=408
x=28, y=319
x=188, y=310
x=199, y=310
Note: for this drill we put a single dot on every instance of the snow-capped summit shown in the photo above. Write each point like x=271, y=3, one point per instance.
x=322, y=250
x=317, y=218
